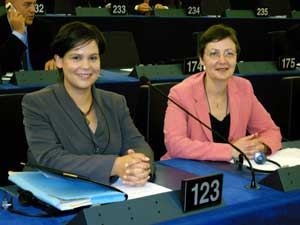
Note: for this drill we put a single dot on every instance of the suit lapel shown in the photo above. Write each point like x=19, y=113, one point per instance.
x=72, y=111
x=201, y=105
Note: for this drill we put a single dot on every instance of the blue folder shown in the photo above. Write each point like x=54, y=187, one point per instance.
x=65, y=193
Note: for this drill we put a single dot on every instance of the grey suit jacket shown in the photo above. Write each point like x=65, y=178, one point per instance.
x=59, y=137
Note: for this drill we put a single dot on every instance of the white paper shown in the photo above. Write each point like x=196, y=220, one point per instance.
x=286, y=157
x=137, y=192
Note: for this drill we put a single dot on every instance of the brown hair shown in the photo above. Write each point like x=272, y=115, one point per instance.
x=216, y=33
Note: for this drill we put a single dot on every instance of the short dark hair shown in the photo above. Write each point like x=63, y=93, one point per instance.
x=76, y=33
x=216, y=33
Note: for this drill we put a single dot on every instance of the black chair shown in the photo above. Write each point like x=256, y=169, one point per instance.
x=276, y=7
x=242, y=5
x=214, y=7
x=150, y=115
x=285, y=43
x=13, y=140
x=64, y=7
x=273, y=96
x=291, y=92
x=278, y=44
x=293, y=37
x=87, y=3
x=121, y=50
x=295, y=5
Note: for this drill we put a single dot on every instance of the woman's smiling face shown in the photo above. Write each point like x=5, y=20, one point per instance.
x=80, y=65
x=220, y=59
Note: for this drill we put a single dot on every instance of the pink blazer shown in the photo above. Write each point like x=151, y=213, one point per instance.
x=186, y=138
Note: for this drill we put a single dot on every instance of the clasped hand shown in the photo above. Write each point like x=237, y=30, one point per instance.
x=133, y=168
x=249, y=145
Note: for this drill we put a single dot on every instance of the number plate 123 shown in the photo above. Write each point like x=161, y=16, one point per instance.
x=201, y=192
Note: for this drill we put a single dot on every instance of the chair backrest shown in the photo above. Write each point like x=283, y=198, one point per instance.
x=150, y=115
x=295, y=5
x=13, y=140
x=242, y=5
x=278, y=43
x=121, y=50
x=286, y=42
x=290, y=89
x=214, y=7
x=64, y=7
x=279, y=97
x=276, y=7
x=293, y=37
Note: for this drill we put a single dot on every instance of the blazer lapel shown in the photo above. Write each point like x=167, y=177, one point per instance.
x=201, y=106
x=234, y=107
x=69, y=106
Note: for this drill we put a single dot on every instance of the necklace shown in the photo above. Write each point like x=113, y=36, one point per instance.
x=216, y=104
x=85, y=114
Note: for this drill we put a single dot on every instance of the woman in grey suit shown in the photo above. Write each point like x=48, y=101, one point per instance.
x=74, y=127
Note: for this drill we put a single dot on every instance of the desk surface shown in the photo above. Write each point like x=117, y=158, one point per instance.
x=263, y=206
x=242, y=205
x=107, y=77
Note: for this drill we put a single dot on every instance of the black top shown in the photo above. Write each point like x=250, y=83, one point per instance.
x=222, y=127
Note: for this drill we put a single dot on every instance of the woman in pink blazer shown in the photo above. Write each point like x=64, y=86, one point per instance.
x=222, y=101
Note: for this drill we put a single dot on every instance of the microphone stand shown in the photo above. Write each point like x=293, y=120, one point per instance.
x=253, y=184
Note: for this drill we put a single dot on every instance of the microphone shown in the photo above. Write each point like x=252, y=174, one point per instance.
x=253, y=184
x=261, y=158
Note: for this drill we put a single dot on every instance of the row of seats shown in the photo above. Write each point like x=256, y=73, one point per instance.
x=207, y=7
x=122, y=50
x=154, y=40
